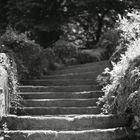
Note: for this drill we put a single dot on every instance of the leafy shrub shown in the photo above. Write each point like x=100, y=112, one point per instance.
x=109, y=42
x=122, y=95
x=90, y=55
x=25, y=52
x=129, y=29
x=31, y=59
x=104, y=78
x=119, y=69
x=84, y=57
x=47, y=60
x=122, y=90
x=64, y=50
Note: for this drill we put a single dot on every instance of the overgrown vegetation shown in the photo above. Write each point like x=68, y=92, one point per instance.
x=121, y=83
x=79, y=21
x=65, y=51
x=33, y=60
x=46, y=34
x=24, y=51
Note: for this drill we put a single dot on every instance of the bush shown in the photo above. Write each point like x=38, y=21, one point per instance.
x=31, y=59
x=90, y=55
x=25, y=52
x=119, y=70
x=122, y=95
x=104, y=78
x=47, y=60
x=109, y=41
x=129, y=30
x=122, y=91
x=84, y=57
x=64, y=50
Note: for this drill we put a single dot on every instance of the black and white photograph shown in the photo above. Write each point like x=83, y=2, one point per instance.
x=69, y=70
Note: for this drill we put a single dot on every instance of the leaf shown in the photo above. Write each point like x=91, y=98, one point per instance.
x=135, y=127
x=136, y=118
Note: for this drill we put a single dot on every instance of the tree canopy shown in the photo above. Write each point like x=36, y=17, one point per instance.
x=45, y=19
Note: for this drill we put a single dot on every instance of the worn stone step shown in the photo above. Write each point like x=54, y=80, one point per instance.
x=59, y=82
x=59, y=102
x=120, y=133
x=95, y=65
x=59, y=95
x=76, y=123
x=56, y=110
x=85, y=75
x=78, y=70
x=57, y=88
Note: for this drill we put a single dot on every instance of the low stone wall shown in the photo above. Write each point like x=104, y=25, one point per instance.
x=4, y=94
x=4, y=97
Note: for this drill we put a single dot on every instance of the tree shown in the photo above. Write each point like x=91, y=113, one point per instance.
x=45, y=18
x=41, y=17
x=104, y=12
x=3, y=16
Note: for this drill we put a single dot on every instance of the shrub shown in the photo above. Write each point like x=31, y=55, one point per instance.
x=119, y=69
x=47, y=60
x=26, y=52
x=122, y=91
x=64, y=50
x=122, y=95
x=109, y=42
x=129, y=30
x=90, y=55
x=84, y=57
x=104, y=78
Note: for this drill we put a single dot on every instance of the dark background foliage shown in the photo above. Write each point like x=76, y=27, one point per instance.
x=40, y=29
x=44, y=19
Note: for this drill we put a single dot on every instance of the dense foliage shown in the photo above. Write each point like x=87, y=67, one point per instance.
x=62, y=26
x=98, y=16
x=33, y=60
x=81, y=21
x=25, y=52
x=121, y=84
x=65, y=50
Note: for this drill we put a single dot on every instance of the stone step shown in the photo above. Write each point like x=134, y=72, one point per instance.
x=58, y=88
x=120, y=133
x=59, y=102
x=90, y=67
x=59, y=82
x=78, y=70
x=56, y=110
x=76, y=123
x=102, y=64
x=59, y=95
x=85, y=75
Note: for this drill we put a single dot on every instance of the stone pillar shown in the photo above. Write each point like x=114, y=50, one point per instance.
x=4, y=95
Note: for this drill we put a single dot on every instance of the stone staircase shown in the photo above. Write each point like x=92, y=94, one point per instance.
x=62, y=106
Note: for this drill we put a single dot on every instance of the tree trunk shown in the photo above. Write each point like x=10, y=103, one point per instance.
x=99, y=28
x=100, y=25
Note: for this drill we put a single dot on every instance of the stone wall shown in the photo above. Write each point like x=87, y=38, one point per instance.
x=4, y=95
